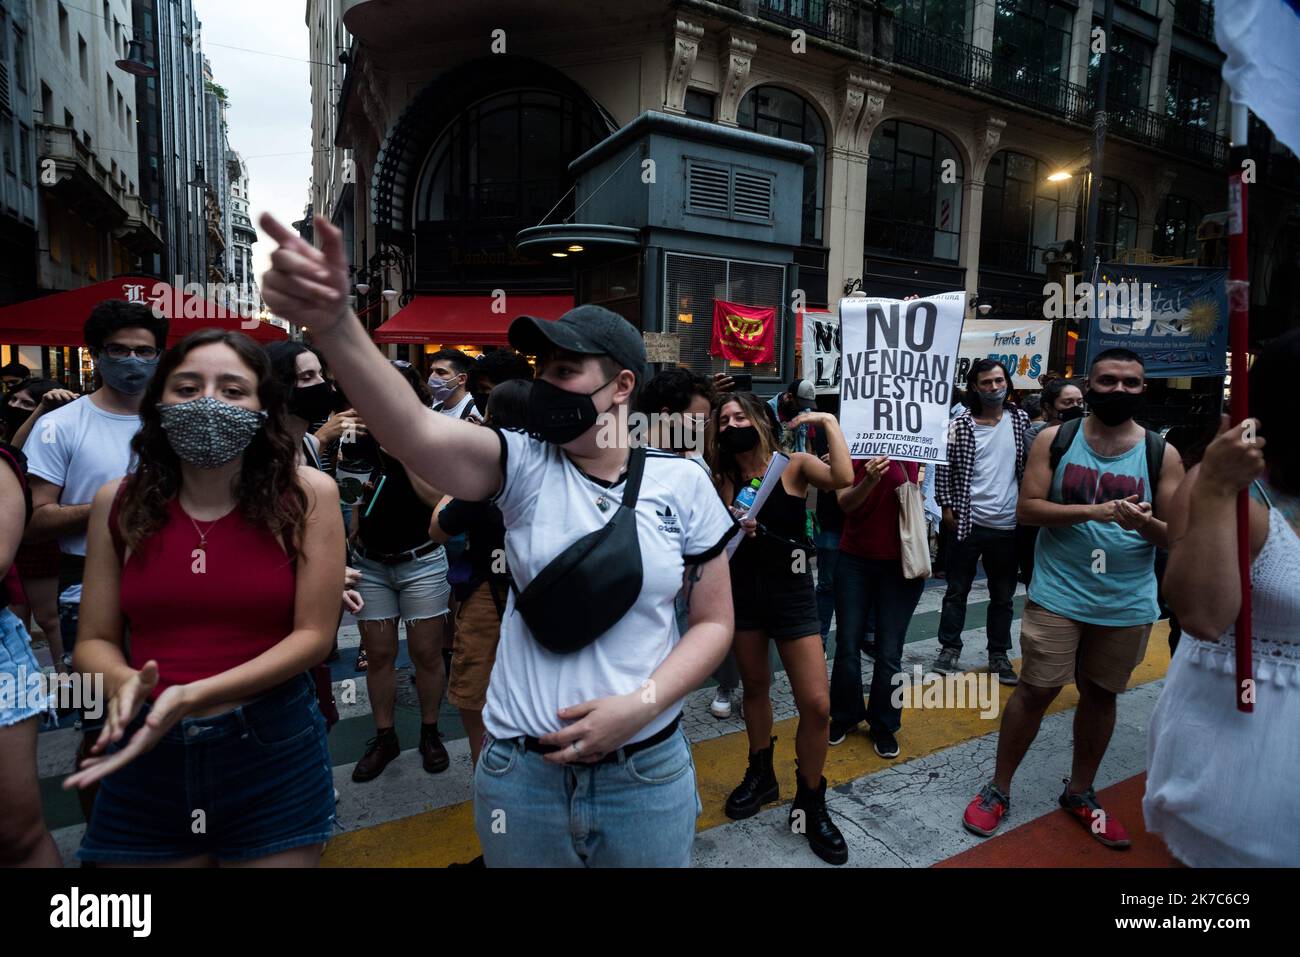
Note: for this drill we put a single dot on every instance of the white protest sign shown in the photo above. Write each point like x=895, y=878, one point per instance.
x=821, y=351
x=898, y=361
x=1021, y=347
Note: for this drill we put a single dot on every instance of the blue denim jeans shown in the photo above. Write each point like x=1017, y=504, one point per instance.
x=863, y=586
x=260, y=773
x=828, y=554
x=637, y=811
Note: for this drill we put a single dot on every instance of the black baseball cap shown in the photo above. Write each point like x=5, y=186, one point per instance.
x=587, y=330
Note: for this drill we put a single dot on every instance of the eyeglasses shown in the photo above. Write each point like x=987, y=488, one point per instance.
x=117, y=351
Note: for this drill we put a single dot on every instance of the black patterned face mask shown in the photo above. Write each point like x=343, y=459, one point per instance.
x=207, y=433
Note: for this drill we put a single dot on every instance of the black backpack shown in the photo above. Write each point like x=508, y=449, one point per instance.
x=1064, y=438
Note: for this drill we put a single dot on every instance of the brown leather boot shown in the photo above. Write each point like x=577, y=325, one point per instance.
x=380, y=750
x=433, y=754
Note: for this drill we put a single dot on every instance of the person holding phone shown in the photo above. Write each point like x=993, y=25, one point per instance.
x=774, y=596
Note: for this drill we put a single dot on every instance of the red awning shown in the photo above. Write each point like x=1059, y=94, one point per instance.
x=57, y=319
x=465, y=320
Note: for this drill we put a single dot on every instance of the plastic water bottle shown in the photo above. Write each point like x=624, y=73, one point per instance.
x=747, y=495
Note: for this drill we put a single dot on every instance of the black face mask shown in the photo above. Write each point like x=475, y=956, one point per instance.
x=558, y=416
x=314, y=403
x=1073, y=412
x=14, y=418
x=1115, y=408
x=738, y=438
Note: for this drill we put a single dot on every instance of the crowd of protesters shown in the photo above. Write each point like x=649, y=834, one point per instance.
x=187, y=530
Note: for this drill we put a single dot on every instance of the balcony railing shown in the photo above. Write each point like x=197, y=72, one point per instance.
x=1168, y=133
x=858, y=24
x=967, y=65
x=869, y=28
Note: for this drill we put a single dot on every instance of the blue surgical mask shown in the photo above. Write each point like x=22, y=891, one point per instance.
x=993, y=398
x=130, y=376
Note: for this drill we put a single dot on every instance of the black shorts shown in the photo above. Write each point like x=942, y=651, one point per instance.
x=774, y=599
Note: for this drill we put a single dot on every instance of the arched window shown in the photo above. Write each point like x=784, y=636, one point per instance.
x=774, y=111
x=505, y=158
x=1117, y=219
x=1175, y=233
x=1020, y=211
x=914, y=178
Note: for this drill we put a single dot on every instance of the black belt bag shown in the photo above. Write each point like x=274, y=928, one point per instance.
x=590, y=585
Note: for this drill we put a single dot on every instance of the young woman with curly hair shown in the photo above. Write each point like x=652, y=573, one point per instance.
x=225, y=559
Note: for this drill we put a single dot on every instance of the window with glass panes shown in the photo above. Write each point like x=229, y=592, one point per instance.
x=1033, y=36
x=1175, y=233
x=1130, y=69
x=1020, y=213
x=1192, y=95
x=692, y=283
x=945, y=18
x=911, y=211
x=699, y=104
x=774, y=111
x=1117, y=218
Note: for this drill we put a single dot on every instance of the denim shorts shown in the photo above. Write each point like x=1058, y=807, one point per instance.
x=637, y=811
x=241, y=785
x=22, y=688
x=412, y=590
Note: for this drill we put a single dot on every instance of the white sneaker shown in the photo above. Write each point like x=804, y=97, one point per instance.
x=336, y=795
x=721, y=706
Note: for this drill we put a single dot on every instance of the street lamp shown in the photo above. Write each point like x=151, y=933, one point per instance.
x=135, y=63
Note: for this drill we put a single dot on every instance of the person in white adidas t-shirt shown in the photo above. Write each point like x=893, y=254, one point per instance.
x=583, y=764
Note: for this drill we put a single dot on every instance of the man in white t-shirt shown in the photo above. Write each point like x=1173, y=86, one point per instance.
x=978, y=490
x=74, y=450
x=448, y=375
x=584, y=763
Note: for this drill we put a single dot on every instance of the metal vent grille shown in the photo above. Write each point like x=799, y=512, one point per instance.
x=708, y=189
x=692, y=283
x=752, y=196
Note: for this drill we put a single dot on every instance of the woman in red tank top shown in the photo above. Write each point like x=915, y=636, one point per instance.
x=224, y=561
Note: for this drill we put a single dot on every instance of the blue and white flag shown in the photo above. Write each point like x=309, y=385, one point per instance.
x=1262, y=41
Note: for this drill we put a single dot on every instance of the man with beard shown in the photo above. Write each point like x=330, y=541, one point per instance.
x=1090, y=485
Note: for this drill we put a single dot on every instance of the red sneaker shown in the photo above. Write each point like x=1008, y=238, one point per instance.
x=986, y=812
x=1085, y=809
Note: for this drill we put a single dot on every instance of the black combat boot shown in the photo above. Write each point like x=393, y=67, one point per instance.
x=757, y=788
x=809, y=816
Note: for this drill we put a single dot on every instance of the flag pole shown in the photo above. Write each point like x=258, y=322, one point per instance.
x=1239, y=316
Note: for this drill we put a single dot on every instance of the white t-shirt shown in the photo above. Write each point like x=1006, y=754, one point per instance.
x=80, y=447
x=548, y=503
x=993, y=490
x=457, y=410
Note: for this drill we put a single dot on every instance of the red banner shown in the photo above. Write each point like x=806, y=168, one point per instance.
x=743, y=333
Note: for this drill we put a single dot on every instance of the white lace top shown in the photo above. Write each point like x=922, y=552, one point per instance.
x=1223, y=786
x=1275, y=612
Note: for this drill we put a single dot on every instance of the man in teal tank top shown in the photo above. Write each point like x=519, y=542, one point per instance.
x=1092, y=599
